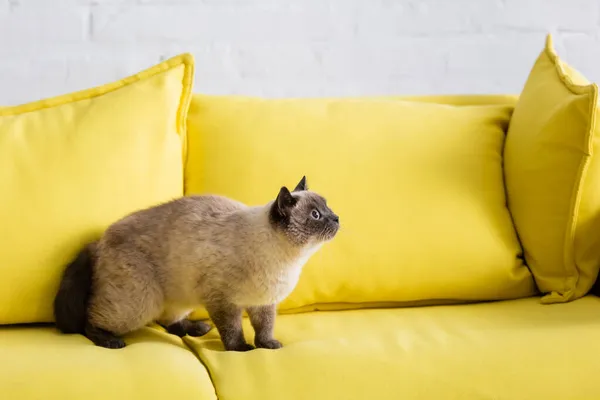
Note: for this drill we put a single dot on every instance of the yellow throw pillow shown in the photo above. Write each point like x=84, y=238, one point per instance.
x=553, y=177
x=72, y=165
x=418, y=188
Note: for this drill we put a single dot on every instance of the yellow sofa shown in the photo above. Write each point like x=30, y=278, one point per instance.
x=437, y=286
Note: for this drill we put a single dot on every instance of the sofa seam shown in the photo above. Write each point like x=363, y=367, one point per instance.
x=183, y=110
x=204, y=364
x=583, y=175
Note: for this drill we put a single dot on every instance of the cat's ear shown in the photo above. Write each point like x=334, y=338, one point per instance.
x=301, y=185
x=285, y=200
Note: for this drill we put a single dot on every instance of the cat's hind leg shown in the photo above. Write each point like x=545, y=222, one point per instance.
x=103, y=338
x=125, y=296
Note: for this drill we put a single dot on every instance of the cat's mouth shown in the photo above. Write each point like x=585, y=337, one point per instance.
x=330, y=231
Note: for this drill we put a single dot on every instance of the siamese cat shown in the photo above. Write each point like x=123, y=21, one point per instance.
x=158, y=264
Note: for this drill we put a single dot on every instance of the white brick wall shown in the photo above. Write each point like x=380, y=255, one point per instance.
x=293, y=47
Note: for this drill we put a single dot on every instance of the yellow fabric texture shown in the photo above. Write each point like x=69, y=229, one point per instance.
x=70, y=166
x=418, y=187
x=517, y=349
x=553, y=177
x=41, y=363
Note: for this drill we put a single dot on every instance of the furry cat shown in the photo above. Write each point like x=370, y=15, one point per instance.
x=160, y=263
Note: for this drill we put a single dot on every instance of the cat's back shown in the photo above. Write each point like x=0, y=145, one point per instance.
x=207, y=218
x=189, y=207
x=172, y=218
x=208, y=207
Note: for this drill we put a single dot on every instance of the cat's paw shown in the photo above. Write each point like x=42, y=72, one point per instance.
x=241, y=347
x=197, y=328
x=187, y=327
x=268, y=344
x=176, y=329
x=113, y=343
x=103, y=338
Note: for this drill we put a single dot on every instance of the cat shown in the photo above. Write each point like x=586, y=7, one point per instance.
x=158, y=264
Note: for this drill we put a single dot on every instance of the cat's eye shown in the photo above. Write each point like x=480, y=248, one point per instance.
x=315, y=214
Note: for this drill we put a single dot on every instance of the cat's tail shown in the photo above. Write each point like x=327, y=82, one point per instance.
x=70, y=303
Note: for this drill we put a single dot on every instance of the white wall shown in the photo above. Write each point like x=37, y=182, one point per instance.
x=293, y=47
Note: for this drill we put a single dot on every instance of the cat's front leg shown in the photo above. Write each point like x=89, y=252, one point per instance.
x=227, y=318
x=262, y=319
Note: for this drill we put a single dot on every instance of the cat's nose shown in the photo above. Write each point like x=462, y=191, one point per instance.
x=335, y=219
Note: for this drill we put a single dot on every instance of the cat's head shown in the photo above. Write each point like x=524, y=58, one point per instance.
x=304, y=216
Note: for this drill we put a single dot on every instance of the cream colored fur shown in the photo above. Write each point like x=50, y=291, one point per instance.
x=160, y=263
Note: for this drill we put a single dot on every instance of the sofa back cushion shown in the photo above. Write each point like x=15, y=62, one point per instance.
x=553, y=177
x=418, y=187
x=71, y=166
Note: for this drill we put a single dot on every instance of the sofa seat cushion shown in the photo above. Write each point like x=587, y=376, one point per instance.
x=40, y=363
x=517, y=349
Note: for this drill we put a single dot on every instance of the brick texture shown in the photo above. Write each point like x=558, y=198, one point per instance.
x=279, y=48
